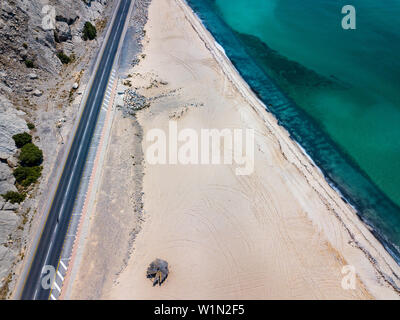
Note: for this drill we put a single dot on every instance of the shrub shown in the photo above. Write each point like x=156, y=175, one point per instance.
x=63, y=58
x=25, y=45
x=22, y=139
x=31, y=155
x=25, y=176
x=89, y=31
x=29, y=63
x=14, y=197
x=30, y=125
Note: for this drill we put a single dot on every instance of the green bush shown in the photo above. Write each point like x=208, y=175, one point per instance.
x=89, y=31
x=29, y=63
x=22, y=139
x=63, y=58
x=14, y=197
x=30, y=125
x=31, y=155
x=25, y=176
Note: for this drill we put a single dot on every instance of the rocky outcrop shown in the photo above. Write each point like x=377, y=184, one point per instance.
x=63, y=32
x=7, y=181
x=8, y=223
x=11, y=123
x=32, y=33
x=35, y=30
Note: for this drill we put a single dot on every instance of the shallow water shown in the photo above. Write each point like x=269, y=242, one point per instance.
x=344, y=84
x=365, y=119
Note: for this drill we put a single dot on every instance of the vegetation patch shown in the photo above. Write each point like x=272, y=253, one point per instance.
x=26, y=176
x=89, y=31
x=30, y=125
x=63, y=57
x=29, y=170
x=31, y=155
x=29, y=63
x=14, y=197
x=22, y=139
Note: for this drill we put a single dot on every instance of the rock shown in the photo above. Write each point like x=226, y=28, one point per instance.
x=63, y=32
x=23, y=54
x=134, y=101
x=75, y=86
x=7, y=179
x=28, y=89
x=60, y=122
x=8, y=206
x=158, y=271
x=5, y=172
x=12, y=162
x=69, y=48
x=37, y=93
x=32, y=76
x=7, y=257
x=8, y=224
x=6, y=187
x=67, y=19
x=2, y=203
x=4, y=156
x=10, y=124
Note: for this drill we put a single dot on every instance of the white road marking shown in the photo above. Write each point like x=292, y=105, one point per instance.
x=64, y=266
x=75, y=162
x=52, y=297
x=57, y=287
x=60, y=275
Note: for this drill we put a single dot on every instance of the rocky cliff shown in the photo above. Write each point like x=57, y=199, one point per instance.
x=33, y=33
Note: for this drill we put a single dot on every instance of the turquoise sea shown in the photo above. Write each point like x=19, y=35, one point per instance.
x=336, y=91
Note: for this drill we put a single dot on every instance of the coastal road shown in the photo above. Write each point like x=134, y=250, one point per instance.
x=52, y=238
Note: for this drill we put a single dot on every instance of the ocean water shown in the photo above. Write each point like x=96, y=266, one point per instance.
x=336, y=91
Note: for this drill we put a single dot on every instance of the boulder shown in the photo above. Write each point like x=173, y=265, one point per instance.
x=67, y=18
x=7, y=257
x=37, y=93
x=12, y=162
x=10, y=124
x=8, y=224
x=63, y=32
x=7, y=179
x=8, y=206
x=32, y=76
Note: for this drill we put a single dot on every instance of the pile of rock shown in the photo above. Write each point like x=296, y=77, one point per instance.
x=133, y=102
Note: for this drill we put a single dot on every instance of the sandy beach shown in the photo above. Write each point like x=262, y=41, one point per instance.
x=280, y=232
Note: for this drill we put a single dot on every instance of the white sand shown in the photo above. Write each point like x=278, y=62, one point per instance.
x=281, y=232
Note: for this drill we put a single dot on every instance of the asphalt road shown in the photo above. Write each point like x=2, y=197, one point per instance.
x=55, y=229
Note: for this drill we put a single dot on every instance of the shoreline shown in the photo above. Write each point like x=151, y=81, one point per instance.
x=281, y=232
x=251, y=97
x=362, y=193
